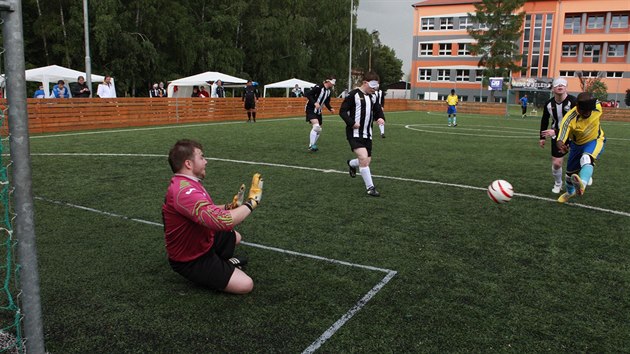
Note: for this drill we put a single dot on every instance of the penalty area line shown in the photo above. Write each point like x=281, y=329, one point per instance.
x=412, y=180
x=333, y=328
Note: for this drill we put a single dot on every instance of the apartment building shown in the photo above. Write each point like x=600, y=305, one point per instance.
x=559, y=38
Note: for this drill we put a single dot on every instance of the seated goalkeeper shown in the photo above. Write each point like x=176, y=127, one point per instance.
x=581, y=134
x=199, y=235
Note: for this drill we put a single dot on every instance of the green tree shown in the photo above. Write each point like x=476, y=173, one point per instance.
x=497, y=31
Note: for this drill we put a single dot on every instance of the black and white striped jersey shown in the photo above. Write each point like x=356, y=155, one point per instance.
x=318, y=94
x=361, y=108
x=380, y=98
x=555, y=111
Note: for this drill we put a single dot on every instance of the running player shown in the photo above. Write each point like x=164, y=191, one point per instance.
x=317, y=97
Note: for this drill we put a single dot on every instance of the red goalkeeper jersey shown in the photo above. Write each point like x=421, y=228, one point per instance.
x=191, y=219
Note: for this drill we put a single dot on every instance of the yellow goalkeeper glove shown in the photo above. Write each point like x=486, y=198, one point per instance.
x=237, y=201
x=255, y=192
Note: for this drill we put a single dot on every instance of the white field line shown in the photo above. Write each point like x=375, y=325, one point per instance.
x=412, y=180
x=335, y=326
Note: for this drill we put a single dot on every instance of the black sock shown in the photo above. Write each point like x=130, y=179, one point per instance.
x=249, y=115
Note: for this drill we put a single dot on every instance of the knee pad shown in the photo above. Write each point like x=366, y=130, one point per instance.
x=586, y=159
x=317, y=128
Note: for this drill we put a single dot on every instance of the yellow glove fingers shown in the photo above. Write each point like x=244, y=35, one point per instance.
x=255, y=190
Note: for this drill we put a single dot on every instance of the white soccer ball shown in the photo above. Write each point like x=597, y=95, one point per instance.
x=500, y=191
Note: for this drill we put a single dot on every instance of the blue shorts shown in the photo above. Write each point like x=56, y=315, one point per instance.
x=451, y=110
x=594, y=148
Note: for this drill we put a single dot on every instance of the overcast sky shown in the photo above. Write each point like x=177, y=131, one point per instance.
x=393, y=19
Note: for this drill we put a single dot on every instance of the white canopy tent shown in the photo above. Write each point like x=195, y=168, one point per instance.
x=53, y=73
x=288, y=85
x=185, y=84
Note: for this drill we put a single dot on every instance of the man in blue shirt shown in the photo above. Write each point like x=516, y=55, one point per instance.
x=524, y=104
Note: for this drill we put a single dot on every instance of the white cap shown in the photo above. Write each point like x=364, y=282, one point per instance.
x=559, y=81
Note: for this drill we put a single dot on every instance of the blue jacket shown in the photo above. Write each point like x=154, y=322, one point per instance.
x=57, y=94
x=39, y=94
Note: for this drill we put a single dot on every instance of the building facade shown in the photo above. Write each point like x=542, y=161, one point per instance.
x=560, y=38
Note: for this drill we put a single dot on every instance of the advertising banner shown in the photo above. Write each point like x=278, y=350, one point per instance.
x=530, y=84
x=495, y=84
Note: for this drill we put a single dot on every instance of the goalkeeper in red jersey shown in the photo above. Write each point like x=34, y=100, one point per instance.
x=199, y=235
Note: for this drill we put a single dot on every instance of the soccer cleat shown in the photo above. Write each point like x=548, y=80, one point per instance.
x=238, y=262
x=352, y=170
x=590, y=181
x=579, y=186
x=556, y=188
x=450, y=125
x=373, y=192
x=454, y=124
x=313, y=148
x=565, y=197
x=383, y=136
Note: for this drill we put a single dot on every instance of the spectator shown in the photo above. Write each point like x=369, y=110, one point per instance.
x=154, y=91
x=297, y=91
x=162, y=90
x=40, y=93
x=81, y=89
x=220, y=91
x=195, y=92
x=203, y=93
x=60, y=90
x=106, y=89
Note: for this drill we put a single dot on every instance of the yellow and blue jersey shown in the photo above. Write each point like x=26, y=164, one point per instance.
x=452, y=100
x=581, y=130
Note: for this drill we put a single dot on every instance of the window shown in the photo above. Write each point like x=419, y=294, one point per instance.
x=619, y=21
x=445, y=48
x=616, y=50
x=616, y=74
x=424, y=74
x=572, y=23
x=595, y=22
x=446, y=23
x=567, y=73
x=569, y=50
x=425, y=49
x=462, y=75
x=593, y=51
x=464, y=49
x=465, y=22
x=444, y=75
x=590, y=74
x=478, y=75
x=427, y=24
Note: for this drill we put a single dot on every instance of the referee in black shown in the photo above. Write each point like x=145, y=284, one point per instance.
x=359, y=109
x=250, y=96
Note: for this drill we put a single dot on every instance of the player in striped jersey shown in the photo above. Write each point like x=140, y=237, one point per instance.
x=581, y=125
x=317, y=97
x=555, y=108
x=380, y=98
x=358, y=110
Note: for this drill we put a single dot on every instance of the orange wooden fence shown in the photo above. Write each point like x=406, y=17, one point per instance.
x=58, y=115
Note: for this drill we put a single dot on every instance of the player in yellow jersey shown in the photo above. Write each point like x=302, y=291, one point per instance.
x=581, y=126
x=452, y=101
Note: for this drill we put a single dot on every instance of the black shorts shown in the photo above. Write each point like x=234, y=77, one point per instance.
x=311, y=115
x=356, y=143
x=524, y=109
x=250, y=104
x=554, y=149
x=211, y=269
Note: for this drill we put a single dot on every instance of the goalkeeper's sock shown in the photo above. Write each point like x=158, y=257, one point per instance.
x=382, y=128
x=454, y=120
x=354, y=163
x=449, y=120
x=367, y=176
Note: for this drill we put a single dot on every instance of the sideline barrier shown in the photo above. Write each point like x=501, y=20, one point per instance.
x=74, y=114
